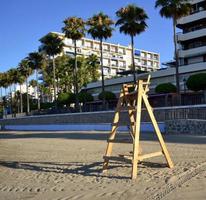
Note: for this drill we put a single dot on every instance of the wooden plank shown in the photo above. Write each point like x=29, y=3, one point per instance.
x=157, y=130
x=116, y=158
x=150, y=155
x=123, y=141
x=137, y=131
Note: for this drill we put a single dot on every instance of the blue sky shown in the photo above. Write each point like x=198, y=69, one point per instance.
x=23, y=22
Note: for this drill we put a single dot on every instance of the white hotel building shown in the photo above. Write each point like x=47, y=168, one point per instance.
x=192, y=39
x=116, y=58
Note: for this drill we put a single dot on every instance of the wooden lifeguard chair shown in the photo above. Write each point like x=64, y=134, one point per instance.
x=133, y=102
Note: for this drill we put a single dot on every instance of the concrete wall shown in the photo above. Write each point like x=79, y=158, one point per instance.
x=185, y=126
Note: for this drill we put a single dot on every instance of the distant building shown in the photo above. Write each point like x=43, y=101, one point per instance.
x=116, y=57
x=31, y=90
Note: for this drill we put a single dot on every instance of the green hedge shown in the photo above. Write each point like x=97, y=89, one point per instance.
x=108, y=96
x=85, y=97
x=65, y=98
x=165, y=88
x=197, y=82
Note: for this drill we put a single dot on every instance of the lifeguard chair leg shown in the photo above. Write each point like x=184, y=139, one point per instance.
x=157, y=130
x=113, y=132
x=137, y=131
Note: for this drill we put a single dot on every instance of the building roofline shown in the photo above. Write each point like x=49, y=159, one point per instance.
x=109, y=43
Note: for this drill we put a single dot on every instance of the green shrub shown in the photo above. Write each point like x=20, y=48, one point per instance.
x=85, y=97
x=165, y=88
x=47, y=105
x=65, y=98
x=197, y=82
x=108, y=96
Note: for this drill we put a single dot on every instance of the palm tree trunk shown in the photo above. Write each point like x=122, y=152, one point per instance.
x=133, y=62
x=21, y=101
x=27, y=96
x=75, y=77
x=2, y=102
x=177, y=63
x=102, y=72
x=54, y=78
x=11, y=101
x=1, y=94
x=5, y=103
x=37, y=91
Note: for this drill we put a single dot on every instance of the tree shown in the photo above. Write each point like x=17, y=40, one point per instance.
x=85, y=97
x=66, y=98
x=165, y=88
x=75, y=29
x=38, y=62
x=5, y=85
x=20, y=81
x=174, y=9
x=100, y=27
x=26, y=70
x=53, y=45
x=13, y=79
x=197, y=82
x=107, y=95
x=64, y=72
x=132, y=21
x=92, y=65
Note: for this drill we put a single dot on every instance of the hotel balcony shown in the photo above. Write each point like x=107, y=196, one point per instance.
x=192, y=52
x=191, y=18
x=191, y=35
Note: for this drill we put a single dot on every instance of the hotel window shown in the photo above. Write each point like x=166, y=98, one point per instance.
x=113, y=62
x=113, y=49
x=122, y=64
x=155, y=64
x=143, y=54
x=149, y=56
x=113, y=71
x=96, y=46
x=137, y=60
x=149, y=63
x=106, y=70
x=105, y=47
x=144, y=62
x=79, y=43
x=121, y=51
x=156, y=57
x=68, y=41
x=88, y=44
x=105, y=62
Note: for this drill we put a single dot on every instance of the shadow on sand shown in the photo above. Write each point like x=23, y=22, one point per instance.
x=76, y=168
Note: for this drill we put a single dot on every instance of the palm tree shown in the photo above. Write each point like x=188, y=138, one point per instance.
x=26, y=70
x=100, y=27
x=1, y=85
x=13, y=80
x=21, y=80
x=132, y=21
x=53, y=45
x=37, y=63
x=174, y=9
x=75, y=29
x=92, y=65
x=5, y=85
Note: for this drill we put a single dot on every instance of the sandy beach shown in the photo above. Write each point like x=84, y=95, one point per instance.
x=68, y=165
